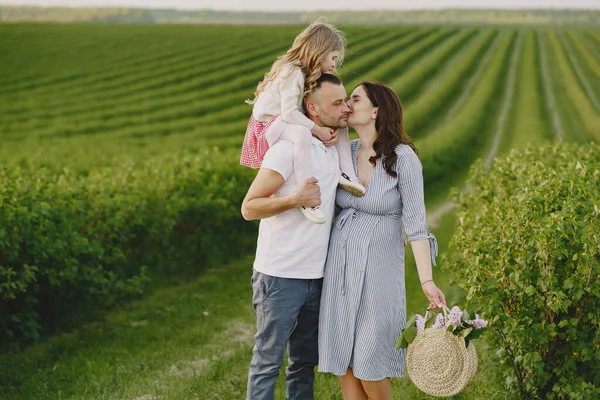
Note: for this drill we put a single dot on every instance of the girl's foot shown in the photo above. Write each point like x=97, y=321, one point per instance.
x=354, y=187
x=313, y=214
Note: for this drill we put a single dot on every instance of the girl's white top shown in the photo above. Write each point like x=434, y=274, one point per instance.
x=283, y=96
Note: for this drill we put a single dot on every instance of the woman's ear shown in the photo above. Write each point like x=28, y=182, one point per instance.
x=374, y=115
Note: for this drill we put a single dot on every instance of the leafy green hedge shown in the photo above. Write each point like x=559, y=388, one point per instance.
x=71, y=244
x=528, y=240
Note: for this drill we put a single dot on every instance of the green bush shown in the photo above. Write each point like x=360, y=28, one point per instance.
x=72, y=244
x=528, y=241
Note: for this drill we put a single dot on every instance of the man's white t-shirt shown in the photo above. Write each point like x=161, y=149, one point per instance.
x=289, y=245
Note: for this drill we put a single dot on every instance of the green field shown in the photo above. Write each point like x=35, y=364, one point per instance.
x=84, y=97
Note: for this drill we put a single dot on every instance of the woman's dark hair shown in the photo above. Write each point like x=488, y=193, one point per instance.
x=389, y=124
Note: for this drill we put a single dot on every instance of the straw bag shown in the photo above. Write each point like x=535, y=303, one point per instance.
x=439, y=363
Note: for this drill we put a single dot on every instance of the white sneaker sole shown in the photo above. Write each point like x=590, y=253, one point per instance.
x=310, y=216
x=353, y=190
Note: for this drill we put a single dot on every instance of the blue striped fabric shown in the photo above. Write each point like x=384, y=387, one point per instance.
x=363, y=303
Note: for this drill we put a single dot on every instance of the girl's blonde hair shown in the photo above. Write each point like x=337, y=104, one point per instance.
x=307, y=52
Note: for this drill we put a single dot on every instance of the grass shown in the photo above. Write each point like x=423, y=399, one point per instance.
x=191, y=341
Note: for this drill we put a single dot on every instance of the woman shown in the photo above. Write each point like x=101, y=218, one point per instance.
x=363, y=303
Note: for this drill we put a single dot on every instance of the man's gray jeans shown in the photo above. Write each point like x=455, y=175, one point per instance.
x=287, y=314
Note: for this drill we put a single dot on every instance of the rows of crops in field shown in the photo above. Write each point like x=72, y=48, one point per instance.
x=78, y=98
x=85, y=95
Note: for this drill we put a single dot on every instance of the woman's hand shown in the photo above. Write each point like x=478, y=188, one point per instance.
x=434, y=295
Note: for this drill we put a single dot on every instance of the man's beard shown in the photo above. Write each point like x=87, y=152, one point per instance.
x=332, y=122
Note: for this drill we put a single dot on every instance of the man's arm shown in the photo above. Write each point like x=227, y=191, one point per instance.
x=259, y=204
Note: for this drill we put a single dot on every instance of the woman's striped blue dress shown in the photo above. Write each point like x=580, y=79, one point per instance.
x=363, y=303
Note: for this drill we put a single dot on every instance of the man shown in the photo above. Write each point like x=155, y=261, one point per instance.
x=291, y=251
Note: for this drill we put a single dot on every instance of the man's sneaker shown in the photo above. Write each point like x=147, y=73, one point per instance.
x=313, y=214
x=355, y=188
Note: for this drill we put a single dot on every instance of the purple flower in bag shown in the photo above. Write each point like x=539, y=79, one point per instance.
x=440, y=322
x=455, y=316
x=478, y=323
x=420, y=322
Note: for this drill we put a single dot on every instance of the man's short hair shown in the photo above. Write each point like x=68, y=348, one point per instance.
x=329, y=78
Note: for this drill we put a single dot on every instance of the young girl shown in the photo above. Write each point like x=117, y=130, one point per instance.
x=277, y=112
